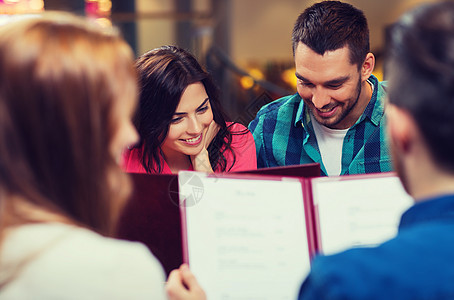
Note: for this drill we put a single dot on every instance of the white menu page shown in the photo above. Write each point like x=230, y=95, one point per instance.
x=358, y=211
x=246, y=239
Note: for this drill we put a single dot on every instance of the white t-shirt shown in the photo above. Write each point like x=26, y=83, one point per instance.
x=330, y=142
x=67, y=262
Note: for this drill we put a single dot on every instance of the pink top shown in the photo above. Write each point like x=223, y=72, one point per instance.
x=242, y=144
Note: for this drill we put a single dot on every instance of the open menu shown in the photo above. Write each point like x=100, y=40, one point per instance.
x=253, y=237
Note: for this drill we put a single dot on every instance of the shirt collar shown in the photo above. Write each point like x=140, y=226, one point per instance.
x=437, y=208
x=374, y=110
x=302, y=115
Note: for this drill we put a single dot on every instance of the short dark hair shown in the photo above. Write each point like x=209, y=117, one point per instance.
x=420, y=69
x=164, y=74
x=330, y=25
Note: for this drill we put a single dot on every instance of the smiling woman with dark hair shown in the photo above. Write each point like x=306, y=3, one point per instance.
x=180, y=120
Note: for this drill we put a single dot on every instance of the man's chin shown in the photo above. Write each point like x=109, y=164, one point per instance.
x=328, y=122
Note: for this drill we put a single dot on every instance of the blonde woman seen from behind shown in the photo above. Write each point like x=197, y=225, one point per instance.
x=67, y=94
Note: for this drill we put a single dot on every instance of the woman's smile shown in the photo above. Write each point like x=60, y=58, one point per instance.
x=193, y=141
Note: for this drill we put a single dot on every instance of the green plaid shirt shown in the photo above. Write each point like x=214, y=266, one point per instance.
x=284, y=135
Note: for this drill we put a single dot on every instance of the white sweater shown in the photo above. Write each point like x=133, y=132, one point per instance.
x=67, y=262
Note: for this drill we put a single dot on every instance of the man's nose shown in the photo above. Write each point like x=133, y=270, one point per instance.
x=320, y=97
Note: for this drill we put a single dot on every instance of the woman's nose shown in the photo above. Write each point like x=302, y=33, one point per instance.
x=194, y=125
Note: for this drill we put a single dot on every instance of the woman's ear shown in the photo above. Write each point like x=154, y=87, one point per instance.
x=368, y=66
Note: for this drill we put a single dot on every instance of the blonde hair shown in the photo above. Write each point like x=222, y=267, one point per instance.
x=60, y=79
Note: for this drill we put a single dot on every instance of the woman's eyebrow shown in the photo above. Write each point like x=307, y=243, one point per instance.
x=185, y=113
x=203, y=103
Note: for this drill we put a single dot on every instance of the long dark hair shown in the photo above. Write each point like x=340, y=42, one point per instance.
x=164, y=74
x=61, y=79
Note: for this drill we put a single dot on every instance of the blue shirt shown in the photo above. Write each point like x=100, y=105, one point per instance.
x=284, y=135
x=417, y=264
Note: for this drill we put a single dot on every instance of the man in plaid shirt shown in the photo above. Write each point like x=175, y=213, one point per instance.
x=337, y=116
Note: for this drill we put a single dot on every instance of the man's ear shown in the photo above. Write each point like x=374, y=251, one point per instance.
x=401, y=128
x=368, y=66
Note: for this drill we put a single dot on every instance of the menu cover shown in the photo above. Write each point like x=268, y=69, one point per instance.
x=304, y=171
x=152, y=216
